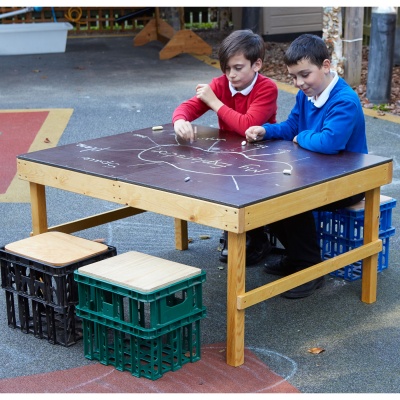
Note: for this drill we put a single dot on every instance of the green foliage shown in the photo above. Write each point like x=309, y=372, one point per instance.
x=381, y=107
x=203, y=25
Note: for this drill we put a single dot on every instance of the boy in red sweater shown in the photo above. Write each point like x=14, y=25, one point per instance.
x=241, y=97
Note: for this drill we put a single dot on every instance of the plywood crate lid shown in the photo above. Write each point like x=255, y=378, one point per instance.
x=138, y=271
x=56, y=248
x=361, y=204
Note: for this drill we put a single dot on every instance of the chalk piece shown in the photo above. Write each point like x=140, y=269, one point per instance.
x=287, y=171
x=157, y=128
x=244, y=143
x=187, y=179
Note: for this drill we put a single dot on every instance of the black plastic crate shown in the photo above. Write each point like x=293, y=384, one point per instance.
x=41, y=298
x=53, y=285
x=59, y=325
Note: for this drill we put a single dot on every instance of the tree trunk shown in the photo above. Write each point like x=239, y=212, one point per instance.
x=224, y=18
x=352, y=48
x=171, y=16
x=332, y=31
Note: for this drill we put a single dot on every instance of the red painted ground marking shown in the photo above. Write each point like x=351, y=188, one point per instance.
x=17, y=132
x=211, y=374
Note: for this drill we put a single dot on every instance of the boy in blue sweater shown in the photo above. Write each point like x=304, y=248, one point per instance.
x=327, y=118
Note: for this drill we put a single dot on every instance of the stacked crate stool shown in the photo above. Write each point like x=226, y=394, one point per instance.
x=37, y=274
x=342, y=230
x=141, y=313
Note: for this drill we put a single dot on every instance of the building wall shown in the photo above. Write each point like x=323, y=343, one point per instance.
x=284, y=22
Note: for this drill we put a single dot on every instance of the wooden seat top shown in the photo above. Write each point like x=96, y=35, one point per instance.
x=138, y=271
x=361, y=204
x=56, y=248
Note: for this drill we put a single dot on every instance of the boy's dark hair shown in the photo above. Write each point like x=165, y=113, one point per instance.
x=243, y=42
x=309, y=47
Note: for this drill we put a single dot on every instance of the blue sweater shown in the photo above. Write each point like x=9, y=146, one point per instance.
x=338, y=125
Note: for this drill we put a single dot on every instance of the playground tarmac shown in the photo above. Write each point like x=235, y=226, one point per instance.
x=112, y=87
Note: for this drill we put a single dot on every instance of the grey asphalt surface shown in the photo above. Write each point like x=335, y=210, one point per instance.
x=114, y=87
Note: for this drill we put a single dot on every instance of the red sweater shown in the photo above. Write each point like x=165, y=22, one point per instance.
x=238, y=112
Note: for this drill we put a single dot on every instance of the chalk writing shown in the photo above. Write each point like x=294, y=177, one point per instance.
x=193, y=160
x=86, y=147
x=104, y=163
x=253, y=168
x=214, y=139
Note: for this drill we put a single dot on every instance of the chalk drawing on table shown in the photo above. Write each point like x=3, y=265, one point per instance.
x=104, y=163
x=215, y=159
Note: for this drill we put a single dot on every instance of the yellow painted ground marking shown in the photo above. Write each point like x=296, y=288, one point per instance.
x=52, y=129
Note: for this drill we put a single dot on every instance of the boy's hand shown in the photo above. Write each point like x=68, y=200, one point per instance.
x=206, y=95
x=255, y=133
x=184, y=129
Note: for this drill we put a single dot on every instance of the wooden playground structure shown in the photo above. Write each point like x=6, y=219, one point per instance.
x=182, y=41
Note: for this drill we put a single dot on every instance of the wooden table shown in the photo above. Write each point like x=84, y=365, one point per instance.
x=219, y=183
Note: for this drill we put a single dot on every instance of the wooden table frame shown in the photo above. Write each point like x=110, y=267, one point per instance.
x=137, y=199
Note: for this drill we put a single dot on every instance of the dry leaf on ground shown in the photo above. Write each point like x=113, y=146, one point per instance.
x=316, y=350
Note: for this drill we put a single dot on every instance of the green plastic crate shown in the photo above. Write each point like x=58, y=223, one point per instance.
x=125, y=307
x=148, y=333
x=142, y=357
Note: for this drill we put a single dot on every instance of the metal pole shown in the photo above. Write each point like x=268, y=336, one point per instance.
x=251, y=18
x=12, y=13
x=381, y=54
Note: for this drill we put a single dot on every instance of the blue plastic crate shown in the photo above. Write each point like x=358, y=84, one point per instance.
x=332, y=246
x=349, y=222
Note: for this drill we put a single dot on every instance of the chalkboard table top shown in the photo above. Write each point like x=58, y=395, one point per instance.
x=216, y=167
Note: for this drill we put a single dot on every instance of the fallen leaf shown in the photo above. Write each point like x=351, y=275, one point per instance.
x=36, y=70
x=316, y=350
x=221, y=268
x=368, y=105
x=47, y=140
x=190, y=240
x=203, y=237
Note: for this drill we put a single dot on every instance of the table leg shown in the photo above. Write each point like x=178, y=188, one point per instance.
x=38, y=207
x=181, y=234
x=371, y=233
x=236, y=286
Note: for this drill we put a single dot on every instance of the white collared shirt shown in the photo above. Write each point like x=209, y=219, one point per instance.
x=323, y=97
x=246, y=91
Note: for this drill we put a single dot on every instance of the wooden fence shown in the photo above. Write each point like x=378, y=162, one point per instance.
x=86, y=20
x=94, y=20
